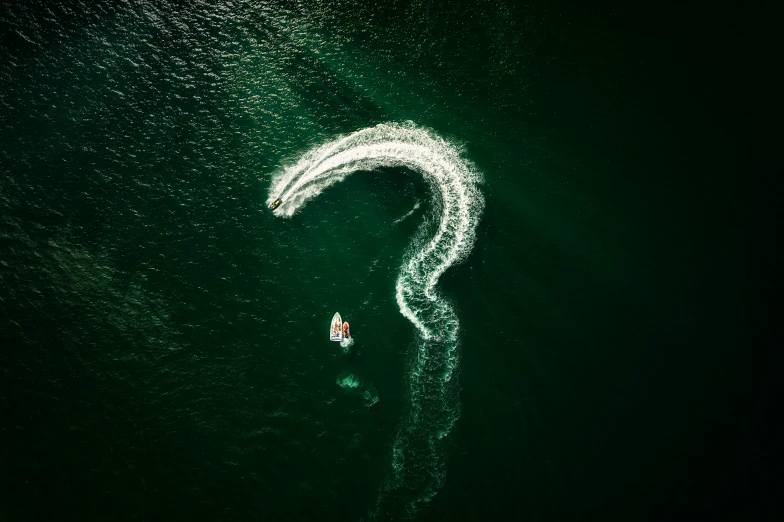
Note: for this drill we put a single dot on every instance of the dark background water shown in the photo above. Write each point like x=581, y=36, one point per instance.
x=163, y=351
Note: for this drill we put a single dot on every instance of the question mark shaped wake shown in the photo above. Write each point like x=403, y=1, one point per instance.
x=417, y=453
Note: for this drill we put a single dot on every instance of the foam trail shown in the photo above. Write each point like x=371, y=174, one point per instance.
x=408, y=214
x=417, y=453
x=346, y=344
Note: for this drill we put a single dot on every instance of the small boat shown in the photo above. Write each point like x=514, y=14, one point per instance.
x=275, y=204
x=336, y=328
x=346, y=332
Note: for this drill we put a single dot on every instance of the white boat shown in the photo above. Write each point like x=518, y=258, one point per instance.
x=336, y=328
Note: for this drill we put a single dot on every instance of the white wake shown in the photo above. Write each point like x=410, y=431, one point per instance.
x=408, y=214
x=417, y=458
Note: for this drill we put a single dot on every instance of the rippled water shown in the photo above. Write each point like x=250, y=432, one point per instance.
x=165, y=351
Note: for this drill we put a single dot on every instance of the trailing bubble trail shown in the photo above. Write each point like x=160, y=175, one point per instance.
x=417, y=453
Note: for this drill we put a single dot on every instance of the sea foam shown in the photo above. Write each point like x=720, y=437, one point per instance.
x=417, y=454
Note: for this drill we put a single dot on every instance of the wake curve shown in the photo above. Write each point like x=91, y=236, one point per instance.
x=417, y=458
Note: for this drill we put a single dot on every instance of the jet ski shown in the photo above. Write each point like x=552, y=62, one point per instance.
x=275, y=204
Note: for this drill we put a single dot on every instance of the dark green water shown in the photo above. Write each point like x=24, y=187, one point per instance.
x=164, y=351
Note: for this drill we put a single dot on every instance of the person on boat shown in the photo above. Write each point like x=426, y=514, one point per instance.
x=345, y=331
